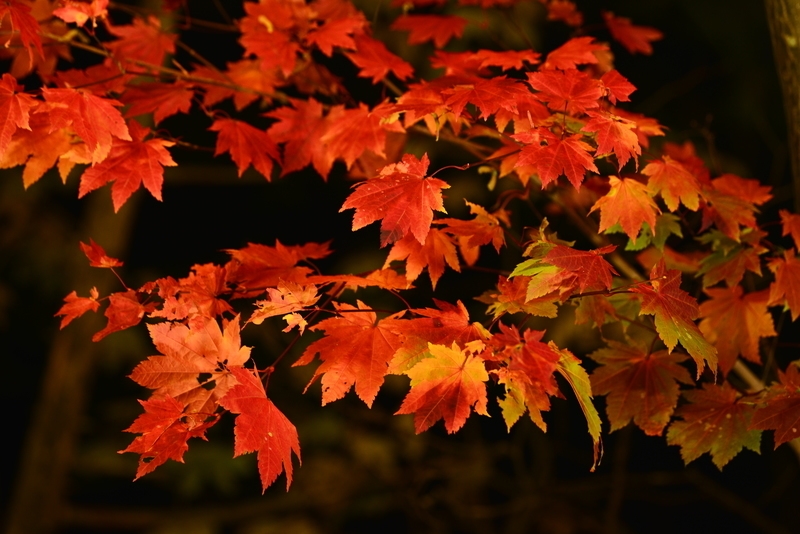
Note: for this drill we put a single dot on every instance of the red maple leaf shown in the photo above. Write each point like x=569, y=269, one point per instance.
x=437, y=28
x=256, y=267
x=247, y=145
x=38, y=148
x=130, y=164
x=786, y=287
x=402, y=197
x=674, y=182
x=714, y=422
x=565, y=11
x=628, y=204
x=141, y=42
x=734, y=323
x=124, y=311
x=437, y=250
x=355, y=351
x=301, y=127
x=590, y=270
x=614, y=134
x=674, y=311
x=634, y=38
x=97, y=256
x=576, y=51
x=780, y=407
x=164, y=433
x=338, y=32
x=261, y=427
x=618, y=86
x=568, y=156
x=351, y=132
x=160, y=99
x=375, y=60
x=80, y=11
x=22, y=21
x=96, y=120
x=15, y=107
x=507, y=59
x=791, y=226
x=448, y=383
x=75, y=306
x=527, y=367
x=197, y=293
x=488, y=95
x=567, y=91
x=640, y=386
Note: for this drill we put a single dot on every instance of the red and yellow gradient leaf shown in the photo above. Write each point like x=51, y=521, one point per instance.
x=629, y=204
x=448, y=384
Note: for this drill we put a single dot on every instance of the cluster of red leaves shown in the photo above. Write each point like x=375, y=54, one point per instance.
x=535, y=116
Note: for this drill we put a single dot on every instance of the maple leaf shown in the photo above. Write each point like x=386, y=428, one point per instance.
x=570, y=91
x=164, y=434
x=437, y=250
x=261, y=427
x=728, y=210
x=634, y=38
x=80, y=11
x=161, y=99
x=618, y=87
x=674, y=312
x=130, y=164
x=570, y=368
x=94, y=119
x=449, y=323
x=447, y=384
x=141, y=42
x=375, y=60
x=287, y=298
x=640, y=386
x=301, y=128
x=780, y=407
x=75, y=306
x=269, y=31
x=256, y=267
x=511, y=296
x=488, y=95
x=22, y=21
x=527, y=374
x=485, y=228
x=402, y=197
x=507, y=59
x=15, y=107
x=196, y=294
x=338, y=32
x=791, y=226
x=38, y=148
x=734, y=323
x=247, y=145
x=674, y=182
x=786, y=287
x=124, y=311
x=614, y=134
x=729, y=259
x=355, y=352
x=351, y=132
x=628, y=204
x=437, y=28
x=565, y=11
x=97, y=256
x=714, y=422
x=576, y=51
x=195, y=363
x=568, y=156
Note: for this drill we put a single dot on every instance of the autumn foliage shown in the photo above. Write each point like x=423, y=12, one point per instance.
x=673, y=269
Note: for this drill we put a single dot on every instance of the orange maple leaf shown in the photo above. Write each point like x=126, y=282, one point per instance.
x=355, y=352
x=786, y=287
x=780, y=407
x=614, y=134
x=437, y=28
x=634, y=38
x=437, y=250
x=576, y=51
x=376, y=61
x=674, y=182
x=448, y=383
x=734, y=323
x=75, y=306
x=628, y=204
x=640, y=386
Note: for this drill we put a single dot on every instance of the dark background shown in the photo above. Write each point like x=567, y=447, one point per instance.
x=711, y=80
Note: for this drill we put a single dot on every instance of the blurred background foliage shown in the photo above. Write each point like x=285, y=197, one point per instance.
x=711, y=81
